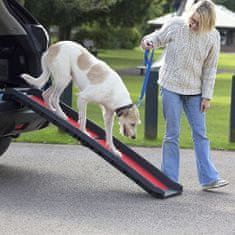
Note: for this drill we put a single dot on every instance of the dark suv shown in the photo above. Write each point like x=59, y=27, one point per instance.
x=22, y=42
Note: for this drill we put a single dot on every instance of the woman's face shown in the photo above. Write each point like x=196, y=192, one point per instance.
x=194, y=22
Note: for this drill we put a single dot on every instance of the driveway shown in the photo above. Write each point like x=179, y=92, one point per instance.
x=68, y=189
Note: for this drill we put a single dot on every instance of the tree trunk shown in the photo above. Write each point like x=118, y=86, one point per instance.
x=21, y=2
x=64, y=32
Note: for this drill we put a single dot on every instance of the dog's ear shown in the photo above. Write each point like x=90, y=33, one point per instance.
x=138, y=114
x=125, y=112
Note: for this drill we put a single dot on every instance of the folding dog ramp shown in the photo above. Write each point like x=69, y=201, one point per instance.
x=131, y=164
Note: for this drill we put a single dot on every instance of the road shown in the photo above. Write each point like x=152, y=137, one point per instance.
x=67, y=189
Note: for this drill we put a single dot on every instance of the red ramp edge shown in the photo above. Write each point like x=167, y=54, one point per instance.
x=131, y=164
x=124, y=158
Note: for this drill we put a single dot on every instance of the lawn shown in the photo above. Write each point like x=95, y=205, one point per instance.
x=217, y=117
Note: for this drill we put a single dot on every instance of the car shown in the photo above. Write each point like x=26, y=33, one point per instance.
x=22, y=42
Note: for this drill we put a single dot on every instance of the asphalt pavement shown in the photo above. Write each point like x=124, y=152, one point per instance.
x=68, y=189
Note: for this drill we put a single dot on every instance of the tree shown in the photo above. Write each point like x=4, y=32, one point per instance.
x=130, y=13
x=65, y=13
x=127, y=13
x=120, y=14
x=230, y=4
x=20, y=2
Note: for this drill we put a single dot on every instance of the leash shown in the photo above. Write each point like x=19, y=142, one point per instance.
x=148, y=60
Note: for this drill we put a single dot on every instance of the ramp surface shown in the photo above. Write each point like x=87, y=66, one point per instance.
x=143, y=173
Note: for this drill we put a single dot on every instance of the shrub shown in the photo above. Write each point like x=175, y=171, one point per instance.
x=108, y=37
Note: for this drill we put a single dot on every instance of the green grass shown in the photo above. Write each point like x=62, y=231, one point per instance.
x=217, y=116
x=121, y=59
x=227, y=62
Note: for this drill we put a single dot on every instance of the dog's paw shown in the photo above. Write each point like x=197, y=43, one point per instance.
x=113, y=149
x=23, y=75
x=50, y=107
x=87, y=133
x=116, y=152
x=26, y=77
x=62, y=115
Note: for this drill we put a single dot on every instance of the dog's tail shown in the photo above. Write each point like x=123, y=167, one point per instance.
x=42, y=79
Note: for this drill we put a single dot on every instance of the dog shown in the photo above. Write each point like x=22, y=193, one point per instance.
x=97, y=82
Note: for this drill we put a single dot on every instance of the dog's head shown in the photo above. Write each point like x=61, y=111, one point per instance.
x=129, y=118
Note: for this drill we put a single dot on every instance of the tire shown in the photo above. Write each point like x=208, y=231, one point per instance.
x=4, y=144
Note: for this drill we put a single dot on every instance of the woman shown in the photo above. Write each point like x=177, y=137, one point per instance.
x=187, y=79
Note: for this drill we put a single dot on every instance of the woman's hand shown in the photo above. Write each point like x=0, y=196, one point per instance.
x=205, y=104
x=146, y=44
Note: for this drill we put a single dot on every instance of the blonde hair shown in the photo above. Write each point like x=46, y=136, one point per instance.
x=207, y=14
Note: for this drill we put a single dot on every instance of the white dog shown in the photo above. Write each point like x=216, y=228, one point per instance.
x=97, y=82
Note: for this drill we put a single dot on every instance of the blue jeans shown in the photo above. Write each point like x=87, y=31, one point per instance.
x=173, y=104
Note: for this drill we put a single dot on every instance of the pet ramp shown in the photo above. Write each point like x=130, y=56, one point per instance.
x=131, y=164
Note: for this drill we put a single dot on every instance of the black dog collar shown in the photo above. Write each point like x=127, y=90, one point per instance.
x=119, y=110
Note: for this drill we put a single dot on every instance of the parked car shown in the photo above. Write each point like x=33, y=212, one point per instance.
x=22, y=42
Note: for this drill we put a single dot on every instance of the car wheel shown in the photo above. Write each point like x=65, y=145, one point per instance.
x=4, y=144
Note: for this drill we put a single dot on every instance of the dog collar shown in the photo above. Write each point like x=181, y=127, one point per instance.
x=119, y=110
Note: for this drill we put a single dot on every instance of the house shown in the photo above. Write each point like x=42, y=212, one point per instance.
x=225, y=22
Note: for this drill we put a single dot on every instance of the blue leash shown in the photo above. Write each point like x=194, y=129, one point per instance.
x=148, y=60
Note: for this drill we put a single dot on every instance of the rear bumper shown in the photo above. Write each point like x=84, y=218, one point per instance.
x=16, y=119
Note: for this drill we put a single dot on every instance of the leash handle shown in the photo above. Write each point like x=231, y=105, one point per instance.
x=148, y=60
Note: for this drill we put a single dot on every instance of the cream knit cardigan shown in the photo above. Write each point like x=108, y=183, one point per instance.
x=190, y=63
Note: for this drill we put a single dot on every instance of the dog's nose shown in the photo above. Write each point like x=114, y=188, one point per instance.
x=133, y=137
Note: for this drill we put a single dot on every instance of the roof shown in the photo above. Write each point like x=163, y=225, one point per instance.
x=224, y=18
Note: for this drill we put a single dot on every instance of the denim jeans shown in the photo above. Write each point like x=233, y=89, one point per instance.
x=173, y=105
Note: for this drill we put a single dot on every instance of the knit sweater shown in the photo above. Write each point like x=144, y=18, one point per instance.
x=190, y=62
